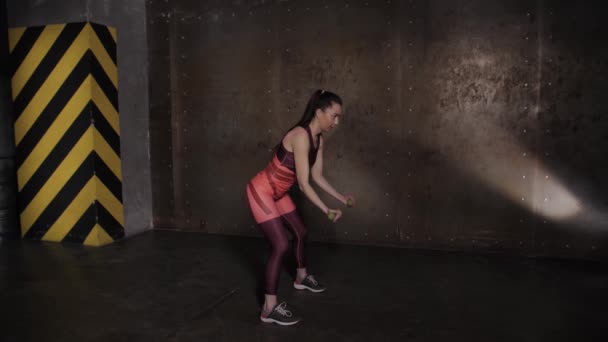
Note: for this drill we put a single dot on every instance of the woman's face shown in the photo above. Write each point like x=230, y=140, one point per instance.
x=330, y=116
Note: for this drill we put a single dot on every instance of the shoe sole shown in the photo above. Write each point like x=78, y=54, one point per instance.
x=304, y=287
x=270, y=320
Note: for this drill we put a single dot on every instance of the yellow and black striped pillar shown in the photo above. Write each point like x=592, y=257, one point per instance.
x=65, y=93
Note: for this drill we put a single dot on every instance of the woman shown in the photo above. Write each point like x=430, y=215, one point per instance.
x=298, y=156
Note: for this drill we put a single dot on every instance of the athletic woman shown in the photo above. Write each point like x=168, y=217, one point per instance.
x=298, y=157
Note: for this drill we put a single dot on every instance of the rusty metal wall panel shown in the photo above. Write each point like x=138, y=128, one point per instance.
x=472, y=93
x=573, y=128
x=159, y=15
x=447, y=107
x=222, y=111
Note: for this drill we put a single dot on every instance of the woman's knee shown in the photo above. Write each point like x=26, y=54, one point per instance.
x=281, y=246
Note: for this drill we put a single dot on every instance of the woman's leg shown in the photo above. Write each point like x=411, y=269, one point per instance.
x=288, y=211
x=267, y=216
x=274, y=231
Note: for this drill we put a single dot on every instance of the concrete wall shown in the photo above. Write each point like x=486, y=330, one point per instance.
x=129, y=18
x=9, y=222
x=469, y=124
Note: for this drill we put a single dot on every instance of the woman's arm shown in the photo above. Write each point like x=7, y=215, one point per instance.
x=317, y=176
x=301, y=147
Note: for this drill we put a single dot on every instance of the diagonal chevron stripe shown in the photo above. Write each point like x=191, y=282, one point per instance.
x=106, y=39
x=32, y=84
x=98, y=237
x=23, y=47
x=57, y=131
x=53, y=160
x=107, y=199
x=107, y=155
x=57, y=180
x=104, y=59
x=82, y=228
x=71, y=59
x=32, y=61
x=105, y=106
x=53, y=205
x=104, y=82
x=27, y=140
x=107, y=221
x=69, y=218
x=108, y=178
x=104, y=128
x=113, y=33
x=14, y=35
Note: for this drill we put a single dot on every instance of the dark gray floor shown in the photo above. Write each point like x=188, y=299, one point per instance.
x=165, y=286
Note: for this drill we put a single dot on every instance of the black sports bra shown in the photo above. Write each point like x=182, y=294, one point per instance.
x=287, y=158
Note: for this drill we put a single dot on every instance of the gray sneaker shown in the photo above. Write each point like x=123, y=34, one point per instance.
x=309, y=283
x=280, y=315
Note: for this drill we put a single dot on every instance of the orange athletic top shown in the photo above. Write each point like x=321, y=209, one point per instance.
x=281, y=171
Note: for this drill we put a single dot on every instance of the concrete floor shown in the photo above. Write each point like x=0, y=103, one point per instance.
x=167, y=286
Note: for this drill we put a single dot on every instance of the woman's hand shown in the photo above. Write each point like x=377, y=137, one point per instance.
x=334, y=214
x=349, y=201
